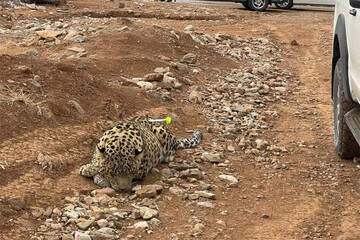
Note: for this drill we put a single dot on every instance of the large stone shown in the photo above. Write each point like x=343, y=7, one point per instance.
x=189, y=58
x=76, y=49
x=229, y=178
x=102, y=223
x=152, y=77
x=147, y=191
x=96, y=235
x=18, y=203
x=155, y=222
x=67, y=236
x=106, y=230
x=212, y=158
x=189, y=28
x=78, y=39
x=145, y=85
x=191, y=173
x=48, y=34
x=148, y=213
x=71, y=214
x=205, y=194
x=206, y=204
x=107, y=191
x=142, y=224
x=179, y=166
x=178, y=191
x=25, y=69
x=166, y=173
x=84, y=225
x=81, y=236
x=37, y=212
x=198, y=228
x=30, y=54
x=182, y=67
x=162, y=70
x=261, y=144
x=135, y=214
x=196, y=97
x=36, y=85
x=70, y=35
x=77, y=106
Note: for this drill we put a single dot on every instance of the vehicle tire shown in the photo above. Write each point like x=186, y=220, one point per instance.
x=246, y=5
x=345, y=144
x=285, y=5
x=258, y=5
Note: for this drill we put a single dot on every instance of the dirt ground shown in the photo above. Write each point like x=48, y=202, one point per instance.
x=315, y=197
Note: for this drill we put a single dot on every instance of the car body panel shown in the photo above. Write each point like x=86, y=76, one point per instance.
x=347, y=35
x=242, y=1
x=353, y=37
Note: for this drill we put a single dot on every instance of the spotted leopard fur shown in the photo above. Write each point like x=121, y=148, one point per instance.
x=130, y=150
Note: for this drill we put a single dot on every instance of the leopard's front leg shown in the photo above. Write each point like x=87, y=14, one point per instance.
x=88, y=170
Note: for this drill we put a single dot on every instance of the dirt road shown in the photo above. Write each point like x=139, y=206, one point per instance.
x=264, y=106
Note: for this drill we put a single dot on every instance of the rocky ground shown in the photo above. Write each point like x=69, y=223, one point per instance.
x=257, y=84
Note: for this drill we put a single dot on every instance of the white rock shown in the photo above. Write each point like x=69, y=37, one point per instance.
x=230, y=178
x=145, y=85
x=213, y=158
x=102, y=223
x=206, y=204
x=205, y=194
x=280, y=89
x=71, y=214
x=106, y=230
x=155, y=222
x=177, y=191
x=189, y=28
x=220, y=222
x=142, y=224
x=148, y=213
x=76, y=49
x=78, y=39
x=81, y=236
x=196, y=97
x=70, y=35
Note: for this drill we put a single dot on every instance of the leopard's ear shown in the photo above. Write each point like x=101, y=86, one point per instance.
x=101, y=144
x=101, y=149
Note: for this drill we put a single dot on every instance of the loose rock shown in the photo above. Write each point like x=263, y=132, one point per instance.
x=152, y=77
x=229, y=178
x=148, y=213
x=82, y=236
x=142, y=224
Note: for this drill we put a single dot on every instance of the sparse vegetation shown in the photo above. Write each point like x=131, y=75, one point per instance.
x=16, y=96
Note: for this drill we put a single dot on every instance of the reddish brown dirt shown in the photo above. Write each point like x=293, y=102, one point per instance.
x=316, y=198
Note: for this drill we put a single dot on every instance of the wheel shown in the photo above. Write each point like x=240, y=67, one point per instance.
x=285, y=5
x=345, y=144
x=246, y=5
x=258, y=5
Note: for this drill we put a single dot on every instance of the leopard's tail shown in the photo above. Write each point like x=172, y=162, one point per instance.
x=193, y=141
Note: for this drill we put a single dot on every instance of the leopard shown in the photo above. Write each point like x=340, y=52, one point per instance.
x=128, y=151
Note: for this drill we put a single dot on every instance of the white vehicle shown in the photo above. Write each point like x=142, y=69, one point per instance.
x=346, y=78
